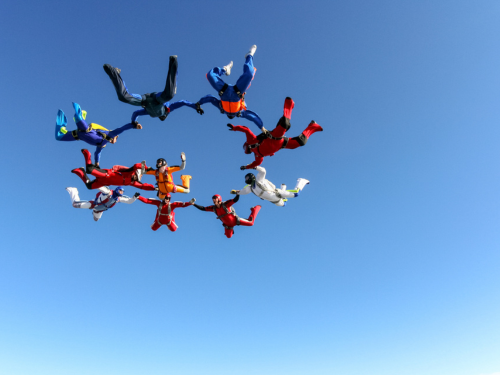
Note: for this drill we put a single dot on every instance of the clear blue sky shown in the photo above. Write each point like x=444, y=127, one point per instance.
x=388, y=263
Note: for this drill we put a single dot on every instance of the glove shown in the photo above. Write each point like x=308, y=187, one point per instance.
x=234, y=192
x=136, y=195
x=192, y=201
x=157, y=189
x=230, y=126
x=243, y=167
x=199, y=109
x=183, y=156
x=265, y=131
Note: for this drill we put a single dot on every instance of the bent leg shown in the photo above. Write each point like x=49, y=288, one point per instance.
x=251, y=219
x=120, y=87
x=61, y=123
x=214, y=79
x=171, y=83
x=172, y=226
x=246, y=78
x=115, y=132
x=252, y=116
x=181, y=189
x=155, y=226
x=281, y=128
x=302, y=139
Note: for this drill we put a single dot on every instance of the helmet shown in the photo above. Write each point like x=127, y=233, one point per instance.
x=168, y=195
x=116, y=192
x=230, y=116
x=246, y=148
x=250, y=178
x=217, y=196
x=160, y=163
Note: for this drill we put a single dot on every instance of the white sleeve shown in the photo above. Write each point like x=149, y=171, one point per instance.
x=105, y=190
x=128, y=200
x=262, y=173
x=183, y=165
x=246, y=190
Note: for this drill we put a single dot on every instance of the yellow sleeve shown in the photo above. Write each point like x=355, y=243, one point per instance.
x=151, y=172
x=97, y=126
x=173, y=169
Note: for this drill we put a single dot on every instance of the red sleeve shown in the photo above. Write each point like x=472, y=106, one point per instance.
x=142, y=186
x=154, y=202
x=180, y=204
x=243, y=129
x=229, y=203
x=118, y=168
x=258, y=161
x=210, y=208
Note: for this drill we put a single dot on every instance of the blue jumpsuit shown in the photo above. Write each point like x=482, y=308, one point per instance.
x=230, y=102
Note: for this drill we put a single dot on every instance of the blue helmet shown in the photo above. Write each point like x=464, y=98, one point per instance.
x=116, y=192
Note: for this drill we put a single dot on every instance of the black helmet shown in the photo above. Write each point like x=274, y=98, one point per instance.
x=160, y=163
x=250, y=178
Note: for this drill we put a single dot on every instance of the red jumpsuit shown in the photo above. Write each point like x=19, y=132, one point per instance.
x=263, y=146
x=227, y=215
x=118, y=175
x=165, y=214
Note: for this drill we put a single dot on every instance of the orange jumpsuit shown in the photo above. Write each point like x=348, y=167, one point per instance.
x=166, y=182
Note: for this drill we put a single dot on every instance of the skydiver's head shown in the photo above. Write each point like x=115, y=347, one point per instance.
x=161, y=164
x=250, y=178
x=230, y=116
x=167, y=197
x=217, y=200
x=246, y=148
x=118, y=192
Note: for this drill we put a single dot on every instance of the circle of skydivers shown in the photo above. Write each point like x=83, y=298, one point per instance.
x=231, y=102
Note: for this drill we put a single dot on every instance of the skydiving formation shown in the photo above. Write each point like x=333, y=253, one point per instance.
x=231, y=102
x=93, y=134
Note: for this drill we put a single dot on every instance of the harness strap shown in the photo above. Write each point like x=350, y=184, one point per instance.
x=74, y=133
x=223, y=89
x=168, y=215
x=237, y=90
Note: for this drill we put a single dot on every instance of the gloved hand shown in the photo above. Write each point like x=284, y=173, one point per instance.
x=243, y=167
x=199, y=109
x=136, y=195
x=265, y=131
x=234, y=192
x=183, y=156
x=157, y=189
x=192, y=201
x=230, y=126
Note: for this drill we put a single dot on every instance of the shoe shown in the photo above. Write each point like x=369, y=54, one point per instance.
x=251, y=51
x=227, y=68
x=283, y=187
x=78, y=112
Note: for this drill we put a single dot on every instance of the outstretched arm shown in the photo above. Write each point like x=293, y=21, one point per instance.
x=128, y=200
x=154, y=202
x=139, y=112
x=183, y=204
x=181, y=103
x=201, y=208
x=230, y=202
x=210, y=99
x=254, y=117
x=262, y=173
x=140, y=185
x=258, y=161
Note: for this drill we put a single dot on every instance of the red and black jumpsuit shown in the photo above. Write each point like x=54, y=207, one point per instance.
x=263, y=145
x=227, y=215
x=118, y=175
x=165, y=214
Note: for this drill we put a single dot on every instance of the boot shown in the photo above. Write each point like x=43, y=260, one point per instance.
x=301, y=182
x=80, y=172
x=255, y=210
x=283, y=187
x=287, y=108
x=61, y=123
x=252, y=50
x=186, y=181
x=227, y=68
x=87, y=155
x=78, y=113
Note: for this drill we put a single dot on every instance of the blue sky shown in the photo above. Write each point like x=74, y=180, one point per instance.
x=386, y=264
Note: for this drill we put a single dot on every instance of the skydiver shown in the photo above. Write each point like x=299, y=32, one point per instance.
x=232, y=97
x=163, y=174
x=155, y=104
x=118, y=175
x=266, y=190
x=165, y=214
x=104, y=200
x=225, y=213
x=93, y=134
x=267, y=144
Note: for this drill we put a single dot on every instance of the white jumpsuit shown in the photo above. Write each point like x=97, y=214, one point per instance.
x=100, y=204
x=266, y=190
